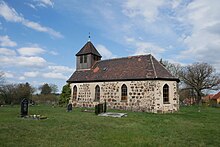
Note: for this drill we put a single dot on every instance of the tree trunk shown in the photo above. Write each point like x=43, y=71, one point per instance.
x=199, y=96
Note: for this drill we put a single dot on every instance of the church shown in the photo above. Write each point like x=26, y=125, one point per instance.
x=135, y=83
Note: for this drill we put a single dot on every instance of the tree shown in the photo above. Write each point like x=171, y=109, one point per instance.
x=200, y=76
x=54, y=88
x=14, y=93
x=65, y=95
x=45, y=89
x=174, y=69
x=24, y=90
x=2, y=80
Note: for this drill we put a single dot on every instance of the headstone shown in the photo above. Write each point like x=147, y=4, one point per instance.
x=24, y=107
x=100, y=108
x=105, y=106
x=96, y=109
x=69, y=107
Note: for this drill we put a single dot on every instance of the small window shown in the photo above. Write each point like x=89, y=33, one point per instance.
x=165, y=93
x=81, y=59
x=95, y=58
x=74, y=93
x=97, y=93
x=85, y=58
x=124, y=93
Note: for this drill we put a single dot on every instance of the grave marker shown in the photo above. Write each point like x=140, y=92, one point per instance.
x=69, y=107
x=24, y=107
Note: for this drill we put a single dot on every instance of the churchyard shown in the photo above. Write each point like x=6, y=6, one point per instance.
x=190, y=126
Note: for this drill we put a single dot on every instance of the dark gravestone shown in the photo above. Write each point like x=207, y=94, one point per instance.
x=96, y=109
x=24, y=107
x=105, y=106
x=100, y=108
x=69, y=107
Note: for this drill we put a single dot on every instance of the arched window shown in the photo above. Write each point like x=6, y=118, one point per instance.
x=124, y=93
x=74, y=93
x=165, y=93
x=97, y=93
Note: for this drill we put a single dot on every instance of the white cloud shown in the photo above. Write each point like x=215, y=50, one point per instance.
x=53, y=75
x=62, y=69
x=23, y=61
x=45, y=3
x=148, y=9
x=106, y=54
x=31, y=74
x=144, y=47
x=8, y=75
x=53, y=53
x=11, y=15
x=31, y=5
x=30, y=51
x=7, y=52
x=31, y=61
x=203, y=42
x=21, y=78
x=5, y=41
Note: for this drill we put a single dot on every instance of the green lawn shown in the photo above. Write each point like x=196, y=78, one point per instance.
x=188, y=127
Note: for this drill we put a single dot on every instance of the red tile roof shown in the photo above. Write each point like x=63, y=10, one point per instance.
x=216, y=96
x=130, y=68
x=208, y=97
x=88, y=48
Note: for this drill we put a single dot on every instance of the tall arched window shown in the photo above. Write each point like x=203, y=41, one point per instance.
x=165, y=93
x=74, y=93
x=97, y=93
x=124, y=93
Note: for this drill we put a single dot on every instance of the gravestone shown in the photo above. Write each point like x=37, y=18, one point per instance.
x=69, y=107
x=24, y=107
x=105, y=106
x=100, y=108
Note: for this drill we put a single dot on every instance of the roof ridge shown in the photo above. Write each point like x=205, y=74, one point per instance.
x=155, y=73
x=128, y=57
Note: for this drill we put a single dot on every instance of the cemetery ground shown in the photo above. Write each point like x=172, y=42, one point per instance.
x=188, y=127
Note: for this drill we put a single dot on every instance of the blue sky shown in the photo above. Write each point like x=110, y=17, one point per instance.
x=39, y=38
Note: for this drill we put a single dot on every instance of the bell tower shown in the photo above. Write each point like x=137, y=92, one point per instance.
x=87, y=56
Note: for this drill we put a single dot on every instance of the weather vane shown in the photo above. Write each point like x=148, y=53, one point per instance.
x=89, y=37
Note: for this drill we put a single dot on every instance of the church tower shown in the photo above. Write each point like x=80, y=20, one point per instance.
x=87, y=56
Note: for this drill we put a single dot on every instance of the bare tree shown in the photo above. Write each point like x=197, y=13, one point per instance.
x=200, y=76
x=14, y=93
x=174, y=69
x=2, y=79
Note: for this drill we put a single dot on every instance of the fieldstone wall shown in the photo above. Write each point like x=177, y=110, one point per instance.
x=144, y=96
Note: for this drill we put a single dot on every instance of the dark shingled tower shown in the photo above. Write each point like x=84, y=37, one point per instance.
x=87, y=56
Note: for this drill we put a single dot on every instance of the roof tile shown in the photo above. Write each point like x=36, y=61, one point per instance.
x=129, y=68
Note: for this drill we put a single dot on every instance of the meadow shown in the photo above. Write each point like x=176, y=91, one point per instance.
x=188, y=127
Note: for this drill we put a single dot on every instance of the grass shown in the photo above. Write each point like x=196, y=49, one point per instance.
x=188, y=127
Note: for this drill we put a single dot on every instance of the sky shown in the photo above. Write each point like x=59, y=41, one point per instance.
x=39, y=38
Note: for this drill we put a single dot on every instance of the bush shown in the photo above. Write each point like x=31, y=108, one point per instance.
x=45, y=99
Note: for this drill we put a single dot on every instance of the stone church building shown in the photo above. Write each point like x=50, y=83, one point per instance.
x=136, y=83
